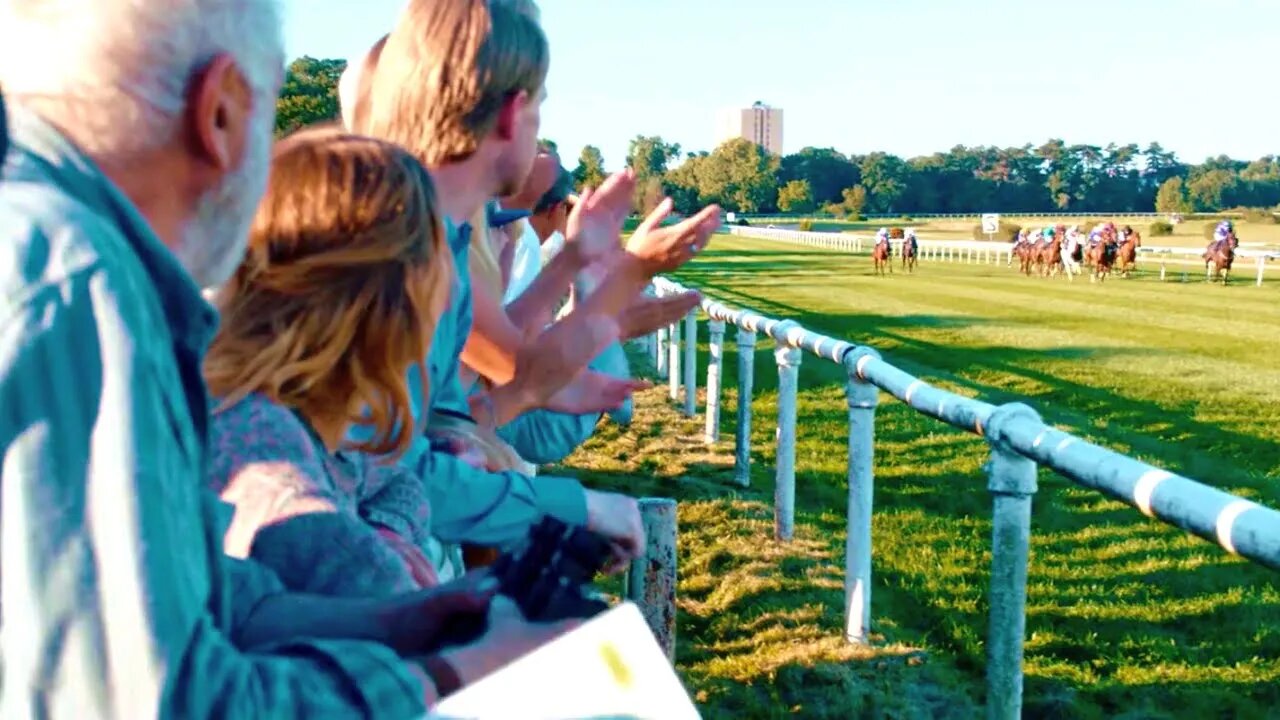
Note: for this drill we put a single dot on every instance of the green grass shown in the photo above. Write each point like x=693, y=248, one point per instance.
x=1126, y=617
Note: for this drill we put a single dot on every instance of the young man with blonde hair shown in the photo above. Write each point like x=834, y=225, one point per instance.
x=460, y=83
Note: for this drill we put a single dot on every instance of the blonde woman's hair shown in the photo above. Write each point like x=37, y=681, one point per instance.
x=448, y=68
x=346, y=276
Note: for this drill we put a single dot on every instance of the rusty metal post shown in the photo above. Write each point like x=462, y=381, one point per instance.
x=651, y=580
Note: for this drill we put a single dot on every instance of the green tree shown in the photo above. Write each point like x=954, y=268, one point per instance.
x=884, y=177
x=550, y=145
x=796, y=197
x=853, y=201
x=649, y=157
x=309, y=94
x=740, y=176
x=1209, y=191
x=590, y=171
x=827, y=171
x=1172, y=197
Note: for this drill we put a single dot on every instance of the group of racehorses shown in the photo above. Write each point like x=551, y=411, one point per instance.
x=1064, y=250
x=1107, y=250
x=882, y=253
x=1060, y=249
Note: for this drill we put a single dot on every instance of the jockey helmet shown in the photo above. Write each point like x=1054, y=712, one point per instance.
x=1048, y=232
x=911, y=232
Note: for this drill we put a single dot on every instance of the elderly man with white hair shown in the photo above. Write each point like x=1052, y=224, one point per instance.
x=141, y=132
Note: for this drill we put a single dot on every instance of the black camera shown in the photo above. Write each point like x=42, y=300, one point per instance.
x=548, y=577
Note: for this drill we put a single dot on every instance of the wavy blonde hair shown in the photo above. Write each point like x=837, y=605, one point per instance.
x=346, y=276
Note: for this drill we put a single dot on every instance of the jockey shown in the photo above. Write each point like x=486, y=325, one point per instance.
x=1071, y=240
x=1225, y=231
x=1022, y=237
x=911, y=240
x=1048, y=234
x=882, y=237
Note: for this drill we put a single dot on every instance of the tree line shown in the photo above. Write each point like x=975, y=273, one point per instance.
x=1053, y=177
x=742, y=177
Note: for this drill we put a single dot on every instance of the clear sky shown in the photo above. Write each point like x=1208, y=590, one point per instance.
x=904, y=76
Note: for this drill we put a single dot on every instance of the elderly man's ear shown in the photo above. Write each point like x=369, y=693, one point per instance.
x=219, y=115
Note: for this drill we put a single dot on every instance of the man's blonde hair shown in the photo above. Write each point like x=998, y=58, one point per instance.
x=448, y=68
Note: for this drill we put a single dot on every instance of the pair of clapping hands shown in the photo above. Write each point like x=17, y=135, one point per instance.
x=619, y=309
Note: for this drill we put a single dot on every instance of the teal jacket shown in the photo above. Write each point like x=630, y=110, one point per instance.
x=118, y=600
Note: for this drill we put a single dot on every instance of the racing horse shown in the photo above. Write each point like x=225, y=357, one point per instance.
x=909, y=252
x=1049, y=255
x=1102, y=257
x=1127, y=254
x=1218, y=259
x=1025, y=251
x=881, y=255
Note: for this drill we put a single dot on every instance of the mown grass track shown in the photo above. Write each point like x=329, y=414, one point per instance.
x=1126, y=617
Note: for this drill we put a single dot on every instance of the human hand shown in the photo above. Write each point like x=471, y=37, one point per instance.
x=422, y=620
x=663, y=249
x=558, y=355
x=594, y=227
x=617, y=518
x=508, y=637
x=647, y=313
x=594, y=392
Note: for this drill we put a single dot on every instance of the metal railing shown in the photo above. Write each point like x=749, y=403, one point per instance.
x=1020, y=442
x=980, y=251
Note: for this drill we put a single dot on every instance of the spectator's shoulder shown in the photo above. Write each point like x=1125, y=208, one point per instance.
x=257, y=430
x=48, y=238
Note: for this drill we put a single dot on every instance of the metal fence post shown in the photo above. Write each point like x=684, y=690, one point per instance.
x=746, y=380
x=1012, y=483
x=660, y=353
x=651, y=579
x=691, y=363
x=715, y=363
x=863, y=398
x=784, y=488
x=673, y=360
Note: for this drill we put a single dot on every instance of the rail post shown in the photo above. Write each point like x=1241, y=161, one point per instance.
x=651, y=579
x=1012, y=483
x=746, y=380
x=1262, y=266
x=691, y=363
x=784, y=488
x=661, y=338
x=673, y=361
x=715, y=363
x=863, y=398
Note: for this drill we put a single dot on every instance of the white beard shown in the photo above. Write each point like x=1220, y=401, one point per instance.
x=215, y=239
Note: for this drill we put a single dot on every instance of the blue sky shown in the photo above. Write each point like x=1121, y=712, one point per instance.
x=903, y=76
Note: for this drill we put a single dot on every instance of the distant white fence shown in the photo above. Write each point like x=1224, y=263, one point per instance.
x=1019, y=440
x=980, y=251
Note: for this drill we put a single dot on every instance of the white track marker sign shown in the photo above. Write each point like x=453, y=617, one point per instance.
x=990, y=224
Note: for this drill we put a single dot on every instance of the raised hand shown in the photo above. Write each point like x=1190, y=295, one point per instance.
x=663, y=249
x=594, y=392
x=594, y=227
x=647, y=314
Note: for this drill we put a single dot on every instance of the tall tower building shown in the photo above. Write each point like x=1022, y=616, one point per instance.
x=759, y=123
